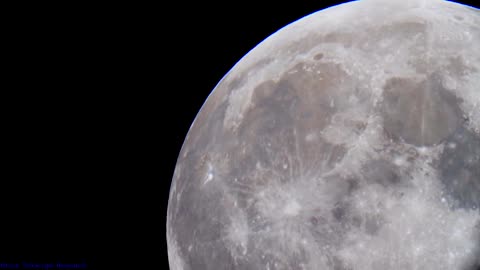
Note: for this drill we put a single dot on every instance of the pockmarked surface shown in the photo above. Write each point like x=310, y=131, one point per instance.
x=348, y=140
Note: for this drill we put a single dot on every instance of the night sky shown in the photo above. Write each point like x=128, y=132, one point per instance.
x=96, y=105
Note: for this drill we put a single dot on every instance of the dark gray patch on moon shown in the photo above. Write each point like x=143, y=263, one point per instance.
x=318, y=56
x=381, y=172
x=284, y=113
x=458, y=67
x=460, y=168
x=347, y=217
x=420, y=113
x=340, y=211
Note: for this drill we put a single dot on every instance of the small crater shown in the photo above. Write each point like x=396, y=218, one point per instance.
x=352, y=185
x=458, y=18
x=318, y=56
x=340, y=212
x=317, y=220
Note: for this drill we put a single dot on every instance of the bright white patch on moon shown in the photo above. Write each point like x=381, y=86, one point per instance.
x=209, y=175
x=348, y=140
x=292, y=208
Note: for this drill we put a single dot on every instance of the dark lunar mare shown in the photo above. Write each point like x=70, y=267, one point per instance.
x=422, y=113
x=459, y=168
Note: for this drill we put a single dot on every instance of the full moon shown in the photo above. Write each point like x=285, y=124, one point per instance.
x=347, y=140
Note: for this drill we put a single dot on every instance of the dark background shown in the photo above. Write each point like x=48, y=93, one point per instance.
x=95, y=105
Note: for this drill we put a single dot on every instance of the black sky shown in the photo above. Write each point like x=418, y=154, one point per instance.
x=97, y=101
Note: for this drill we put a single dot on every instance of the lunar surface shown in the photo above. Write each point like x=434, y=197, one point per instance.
x=347, y=140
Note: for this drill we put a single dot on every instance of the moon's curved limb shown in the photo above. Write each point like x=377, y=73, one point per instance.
x=339, y=146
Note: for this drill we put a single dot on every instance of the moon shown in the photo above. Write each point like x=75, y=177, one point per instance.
x=347, y=140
